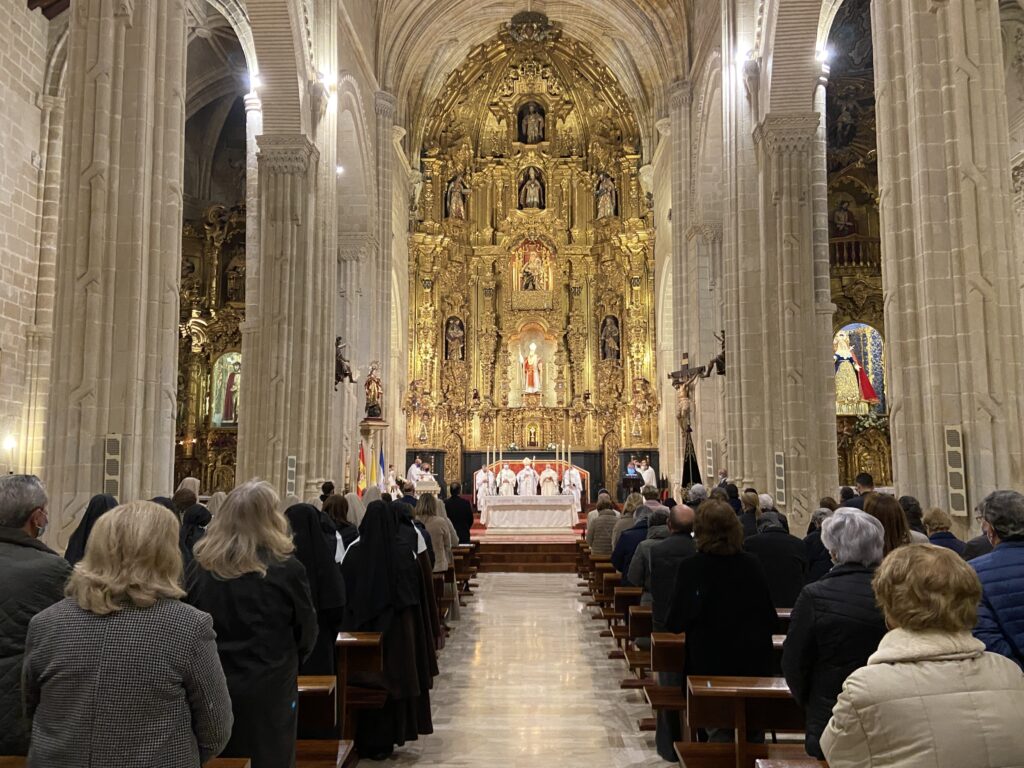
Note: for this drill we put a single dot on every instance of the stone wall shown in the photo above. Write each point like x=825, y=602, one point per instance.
x=22, y=69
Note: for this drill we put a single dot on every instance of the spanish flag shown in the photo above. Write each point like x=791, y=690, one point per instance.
x=361, y=477
x=382, y=478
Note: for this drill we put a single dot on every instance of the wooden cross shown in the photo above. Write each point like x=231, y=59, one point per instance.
x=686, y=375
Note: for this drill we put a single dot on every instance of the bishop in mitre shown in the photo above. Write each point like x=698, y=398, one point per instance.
x=527, y=479
x=548, y=481
x=506, y=481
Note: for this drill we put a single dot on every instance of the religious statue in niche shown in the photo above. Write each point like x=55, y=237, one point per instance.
x=531, y=365
x=374, y=392
x=234, y=279
x=855, y=392
x=531, y=123
x=534, y=273
x=455, y=339
x=532, y=440
x=227, y=388
x=611, y=348
x=455, y=200
x=190, y=289
x=606, y=195
x=531, y=192
x=342, y=366
x=843, y=222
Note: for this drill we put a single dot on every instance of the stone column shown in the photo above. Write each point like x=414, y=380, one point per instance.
x=679, y=135
x=115, y=340
x=798, y=391
x=40, y=336
x=384, y=106
x=284, y=363
x=953, y=284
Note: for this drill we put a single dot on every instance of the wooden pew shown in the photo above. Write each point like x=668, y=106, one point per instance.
x=668, y=654
x=317, y=707
x=797, y=763
x=785, y=614
x=638, y=627
x=323, y=753
x=742, y=704
x=217, y=762
x=356, y=651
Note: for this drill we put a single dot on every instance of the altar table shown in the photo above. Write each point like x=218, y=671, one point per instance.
x=528, y=511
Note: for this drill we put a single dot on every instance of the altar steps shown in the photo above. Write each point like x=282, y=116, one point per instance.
x=527, y=557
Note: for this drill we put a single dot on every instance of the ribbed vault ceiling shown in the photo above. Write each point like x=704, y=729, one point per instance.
x=643, y=42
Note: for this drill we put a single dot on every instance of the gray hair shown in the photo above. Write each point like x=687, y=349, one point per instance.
x=819, y=515
x=1004, y=511
x=658, y=517
x=769, y=519
x=852, y=536
x=766, y=501
x=698, y=492
x=20, y=496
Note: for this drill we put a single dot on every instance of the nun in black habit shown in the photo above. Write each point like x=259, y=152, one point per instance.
x=325, y=584
x=382, y=582
x=98, y=506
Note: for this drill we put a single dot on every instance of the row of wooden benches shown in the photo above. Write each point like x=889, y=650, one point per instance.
x=742, y=704
x=328, y=704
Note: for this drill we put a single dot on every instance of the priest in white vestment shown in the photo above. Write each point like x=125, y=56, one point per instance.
x=483, y=485
x=527, y=479
x=572, y=482
x=413, y=475
x=506, y=481
x=648, y=474
x=548, y=481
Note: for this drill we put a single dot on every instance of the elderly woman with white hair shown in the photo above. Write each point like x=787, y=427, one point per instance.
x=836, y=624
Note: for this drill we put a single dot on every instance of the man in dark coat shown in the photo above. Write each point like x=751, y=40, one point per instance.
x=460, y=512
x=665, y=558
x=1001, y=613
x=784, y=558
x=865, y=484
x=836, y=623
x=33, y=578
x=626, y=546
x=976, y=547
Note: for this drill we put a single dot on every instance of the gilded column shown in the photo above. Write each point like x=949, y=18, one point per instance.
x=116, y=321
x=797, y=383
x=283, y=358
x=953, y=283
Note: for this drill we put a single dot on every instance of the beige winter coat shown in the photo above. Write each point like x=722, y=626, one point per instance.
x=929, y=700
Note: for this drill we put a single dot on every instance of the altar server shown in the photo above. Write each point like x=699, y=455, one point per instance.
x=648, y=474
x=572, y=482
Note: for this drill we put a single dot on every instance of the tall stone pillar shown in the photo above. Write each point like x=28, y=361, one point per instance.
x=286, y=360
x=953, y=284
x=40, y=337
x=116, y=322
x=384, y=106
x=798, y=392
x=679, y=135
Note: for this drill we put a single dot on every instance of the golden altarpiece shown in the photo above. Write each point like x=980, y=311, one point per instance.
x=532, y=259
x=209, y=351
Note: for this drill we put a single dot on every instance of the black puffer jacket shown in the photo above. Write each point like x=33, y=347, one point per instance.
x=836, y=625
x=784, y=558
x=818, y=557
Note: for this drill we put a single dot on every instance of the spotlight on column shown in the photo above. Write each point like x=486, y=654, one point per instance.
x=10, y=443
x=824, y=56
x=340, y=170
x=255, y=82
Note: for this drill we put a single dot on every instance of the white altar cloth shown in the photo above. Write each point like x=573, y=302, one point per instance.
x=528, y=511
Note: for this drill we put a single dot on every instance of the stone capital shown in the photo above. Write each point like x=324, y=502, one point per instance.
x=384, y=104
x=286, y=153
x=1017, y=179
x=253, y=102
x=46, y=101
x=664, y=126
x=680, y=93
x=789, y=133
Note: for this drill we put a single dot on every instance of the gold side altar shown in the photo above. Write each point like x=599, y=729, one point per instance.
x=531, y=263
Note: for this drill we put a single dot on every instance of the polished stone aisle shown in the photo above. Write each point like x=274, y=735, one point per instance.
x=525, y=682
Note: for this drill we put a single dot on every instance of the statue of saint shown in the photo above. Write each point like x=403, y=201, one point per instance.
x=606, y=195
x=610, y=347
x=531, y=369
x=232, y=389
x=533, y=125
x=458, y=191
x=854, y=390
x=342, y=367
x=455, y=337
x=532, y=193
x=843, y=223
x=235, y=278
x=374, y=392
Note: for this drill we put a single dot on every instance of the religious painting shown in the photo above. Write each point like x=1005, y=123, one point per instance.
x=533, y=260
x=227, y=385
x=531, y=189
x=611, y=348
x=454, y=339
x=531, y=123
x=858, y=354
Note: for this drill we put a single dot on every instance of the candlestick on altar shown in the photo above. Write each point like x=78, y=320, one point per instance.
x=570, y=455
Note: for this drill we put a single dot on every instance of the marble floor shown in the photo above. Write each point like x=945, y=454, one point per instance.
x=525, y=681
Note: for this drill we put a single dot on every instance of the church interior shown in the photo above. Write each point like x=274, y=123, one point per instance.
x=540, y=288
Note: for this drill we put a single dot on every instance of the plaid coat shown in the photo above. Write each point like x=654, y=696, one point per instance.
x=139, y=688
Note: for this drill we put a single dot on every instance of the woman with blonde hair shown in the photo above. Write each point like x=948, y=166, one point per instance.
x=246, y=577
x=930, y=695
x=438, y=527
x=160, y=697
x=627, y=520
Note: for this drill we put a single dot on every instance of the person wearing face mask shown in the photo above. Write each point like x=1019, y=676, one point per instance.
x=1001, y=612
x=33, y=578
